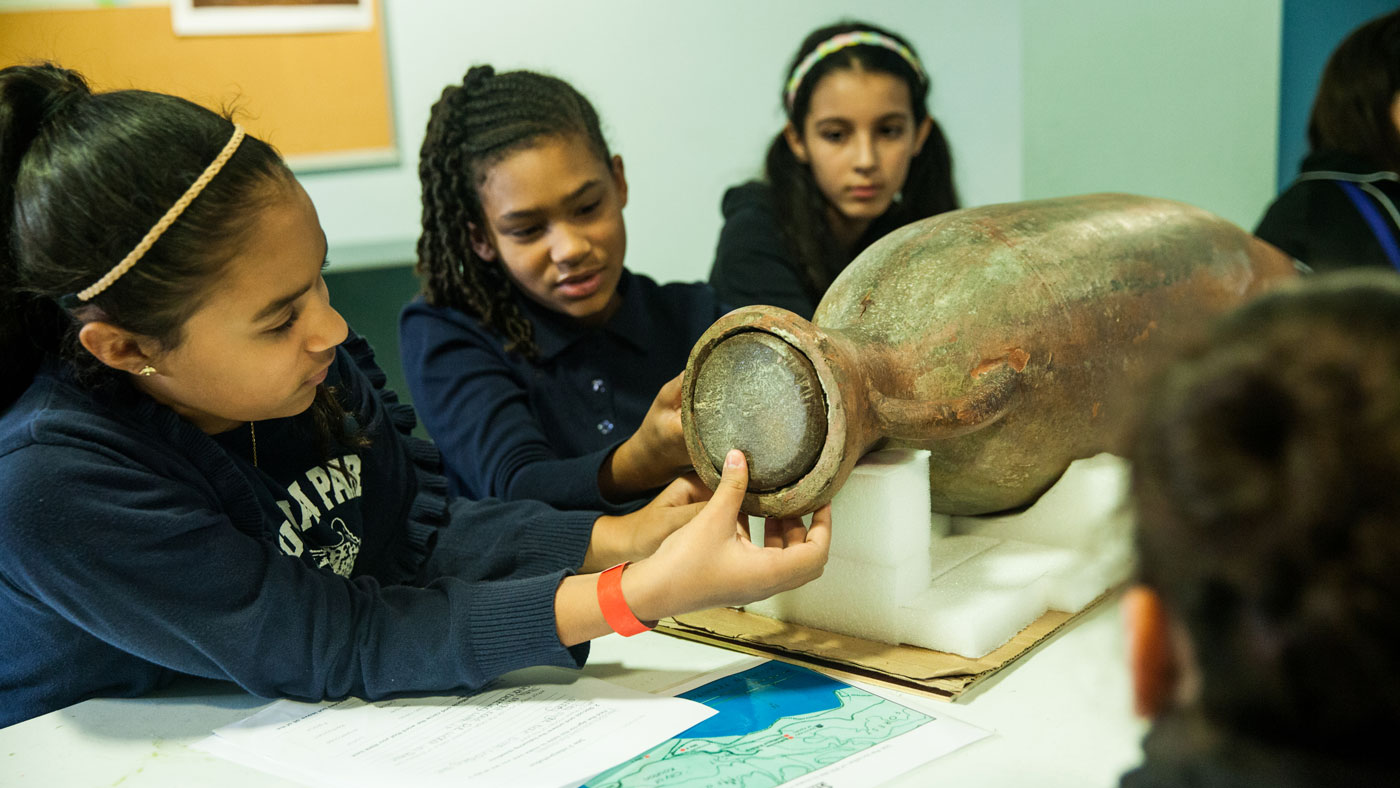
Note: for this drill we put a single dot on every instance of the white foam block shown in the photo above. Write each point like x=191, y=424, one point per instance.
x=983, y=601
x=775, y=606
x=895, y=575
x=1093, y=572
x=851, y=597
x=1083, y=509
x=881, y=536
x=881, y=514
x=965, y=619
x=950, y=551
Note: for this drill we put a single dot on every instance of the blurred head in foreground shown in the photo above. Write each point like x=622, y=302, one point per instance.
x=1266, y=474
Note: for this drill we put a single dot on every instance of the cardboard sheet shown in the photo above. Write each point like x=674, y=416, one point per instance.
x=935, y=674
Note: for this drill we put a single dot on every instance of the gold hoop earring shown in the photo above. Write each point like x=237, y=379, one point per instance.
x=147, y=371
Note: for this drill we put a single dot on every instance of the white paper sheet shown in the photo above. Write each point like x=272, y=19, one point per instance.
x=513, y=736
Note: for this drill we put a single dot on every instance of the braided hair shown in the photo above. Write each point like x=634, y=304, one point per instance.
x=798, y=200
x=472, y=127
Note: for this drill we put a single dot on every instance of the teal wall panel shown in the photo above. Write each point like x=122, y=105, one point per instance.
x=370, y=300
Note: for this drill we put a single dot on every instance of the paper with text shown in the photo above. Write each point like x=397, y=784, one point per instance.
x=530, y=735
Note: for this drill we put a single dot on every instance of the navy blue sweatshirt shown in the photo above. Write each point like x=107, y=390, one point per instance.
x=1316, y=222
x=754, y=263
x=514, y=428
x=134, y=548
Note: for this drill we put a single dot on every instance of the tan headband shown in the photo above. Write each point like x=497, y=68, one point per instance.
x=168, y=219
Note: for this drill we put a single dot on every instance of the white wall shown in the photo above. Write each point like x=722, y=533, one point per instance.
x=1177, y=100
x=1039, y=98
x=688, y=93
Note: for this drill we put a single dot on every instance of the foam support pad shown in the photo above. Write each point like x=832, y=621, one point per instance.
x=964, y=585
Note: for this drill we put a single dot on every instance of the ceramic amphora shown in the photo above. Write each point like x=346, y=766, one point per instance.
x=1009, y=340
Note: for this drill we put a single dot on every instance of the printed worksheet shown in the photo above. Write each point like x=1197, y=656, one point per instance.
x=532, y=735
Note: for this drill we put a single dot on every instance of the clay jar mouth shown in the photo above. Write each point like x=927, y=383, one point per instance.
x=758, y=380
x=757, y=393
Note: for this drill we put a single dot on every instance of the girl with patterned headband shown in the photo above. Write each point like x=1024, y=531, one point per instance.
x=859, y=156
x=201, y=472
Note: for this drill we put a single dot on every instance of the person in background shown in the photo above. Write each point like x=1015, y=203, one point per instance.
x=1264, y=633
x=1341, y=211
x=860, y=155
x=200, y=472
x=542, y=367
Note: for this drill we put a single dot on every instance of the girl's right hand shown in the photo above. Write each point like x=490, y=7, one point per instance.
x=711, y=561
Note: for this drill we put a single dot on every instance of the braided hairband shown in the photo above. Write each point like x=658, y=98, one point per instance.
x=89, y=292
x=842, y=41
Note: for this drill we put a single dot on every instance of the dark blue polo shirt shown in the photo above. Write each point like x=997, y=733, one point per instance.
x=513, y=428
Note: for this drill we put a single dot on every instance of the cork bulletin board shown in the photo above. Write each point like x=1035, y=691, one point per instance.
x=321, y=98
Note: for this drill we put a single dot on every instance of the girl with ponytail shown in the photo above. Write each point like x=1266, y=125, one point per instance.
x=860, y=155
x=201, y=472
x=543, y=369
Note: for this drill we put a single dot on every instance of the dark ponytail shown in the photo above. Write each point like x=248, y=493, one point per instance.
x=83, y=176
x=27, y=324
x=472, y=126
x=800, y=205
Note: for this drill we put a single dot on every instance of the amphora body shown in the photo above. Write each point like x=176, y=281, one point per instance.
x=1009, y=340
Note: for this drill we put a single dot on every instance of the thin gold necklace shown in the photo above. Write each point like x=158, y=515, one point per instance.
x=253, y=431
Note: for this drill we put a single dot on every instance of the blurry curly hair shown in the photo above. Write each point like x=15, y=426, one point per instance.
x=1266, y=474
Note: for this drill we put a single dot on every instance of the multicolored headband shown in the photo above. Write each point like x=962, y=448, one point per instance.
x=91, y=291
x=841, y=41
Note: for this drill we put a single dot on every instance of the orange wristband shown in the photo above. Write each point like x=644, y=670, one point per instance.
x=615, y=610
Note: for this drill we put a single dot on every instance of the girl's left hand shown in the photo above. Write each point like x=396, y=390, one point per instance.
x=631, y=537
x=661, y=436
x=654, y=454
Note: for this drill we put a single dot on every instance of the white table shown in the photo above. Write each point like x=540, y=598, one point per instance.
x=1061, y=716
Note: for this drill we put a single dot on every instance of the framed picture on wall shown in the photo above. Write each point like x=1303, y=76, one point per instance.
x=264, y=17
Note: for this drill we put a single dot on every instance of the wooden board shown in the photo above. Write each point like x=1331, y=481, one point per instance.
x=935, y=674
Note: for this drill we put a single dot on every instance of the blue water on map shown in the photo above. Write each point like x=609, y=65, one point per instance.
x=754, y=699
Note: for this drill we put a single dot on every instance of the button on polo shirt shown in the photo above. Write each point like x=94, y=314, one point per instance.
x=511, y=427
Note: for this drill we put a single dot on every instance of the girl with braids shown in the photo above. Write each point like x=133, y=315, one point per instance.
x=543, y=369
x=860, y=155
x=1266, y=473
x=200, y=472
